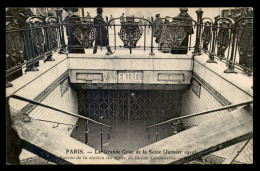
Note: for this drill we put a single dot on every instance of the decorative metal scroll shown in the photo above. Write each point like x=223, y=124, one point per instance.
x=14, y=45
x=206, y=36
x=172, y=36
x=223, y=39
x=52, y=32
x=37, y=33
x=130, y=33
x=85, y=33
x=245, y=44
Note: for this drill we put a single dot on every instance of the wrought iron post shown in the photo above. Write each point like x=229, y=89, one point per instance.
x=148, y=130
x=86, y=133
x=101, y=138
x=152, y=53
x=109, y=133
x=231, y=64
x=197, y=50
x=211, y=54
x=61, y=31
x=157, y=133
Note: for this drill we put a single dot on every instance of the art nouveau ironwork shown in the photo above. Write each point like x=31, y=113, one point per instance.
x=206, y=35
x=37, y=32
x=245, y=44
x=14, y=46
x=172, y=36
x=52, y=32
x=223, y=39
x=130, y=33
x=85, y=33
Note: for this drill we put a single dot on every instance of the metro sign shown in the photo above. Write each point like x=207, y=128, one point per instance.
x=130, y=76
x=89, y=76
x=171, y=77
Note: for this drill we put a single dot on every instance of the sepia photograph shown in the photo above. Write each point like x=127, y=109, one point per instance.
x=129, y=85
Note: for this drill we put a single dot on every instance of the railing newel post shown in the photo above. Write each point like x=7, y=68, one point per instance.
x=231, y=61
x=61, y=31
x=212, y=54
x=152, y=27
x=197, y=50
x=86, y=133
x=157, y=133
x=109, y=132
x=148, y=130
x=101, y=140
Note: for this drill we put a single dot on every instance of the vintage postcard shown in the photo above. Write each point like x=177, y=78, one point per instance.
x=129, y=85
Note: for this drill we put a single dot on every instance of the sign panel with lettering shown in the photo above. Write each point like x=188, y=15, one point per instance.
x=64, y=86
x=196, y=87
x=89, y=76
x=171, y=77
x=130, y=76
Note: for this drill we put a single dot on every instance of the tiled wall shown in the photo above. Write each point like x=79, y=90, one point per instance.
x=192, y=103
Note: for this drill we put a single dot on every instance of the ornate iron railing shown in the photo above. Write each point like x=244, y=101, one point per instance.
x=176, y=121
x=171, y=35
x=231, y=42
x=29, y=41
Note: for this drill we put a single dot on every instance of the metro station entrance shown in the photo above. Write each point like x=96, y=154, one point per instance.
x=130, y=104
x=129, y=112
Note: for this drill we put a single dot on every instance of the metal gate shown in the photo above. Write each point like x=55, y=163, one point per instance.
x=130, y=104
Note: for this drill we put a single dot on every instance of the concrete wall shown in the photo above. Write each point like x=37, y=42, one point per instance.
x=149, y=66
x=66, y=101
x=217, y=90
x=50, y=85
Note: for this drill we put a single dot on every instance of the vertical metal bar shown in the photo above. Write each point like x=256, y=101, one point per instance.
x=26, y=42
x=101, y=140
x=128, y=104
x=76, y=129
x=229, y=46
x=240, y=150
x=201, y=31
x=199, y=13
x=61, y=29
x=212, y=53
x=100, y=32
x=209, y=48
x=230, y=68
x=89, y=103
x=33, y=49
x=149, y=133
x=157, y=133
x=86, y=133
x=236, y=41
x=118, y=106
x=47, y=43
x=190, y=42
x=98, y=103
x=115, y=35
x=144, y=35
x=109, y=132
x=152, y=53
x=109, y=104
x=107, y=31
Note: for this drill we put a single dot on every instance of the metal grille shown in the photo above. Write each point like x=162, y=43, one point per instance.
x=132, y=104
